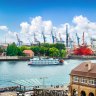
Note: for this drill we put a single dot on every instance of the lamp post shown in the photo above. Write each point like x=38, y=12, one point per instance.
x=43, y=81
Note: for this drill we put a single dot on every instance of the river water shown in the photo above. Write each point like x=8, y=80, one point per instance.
x=20, y=70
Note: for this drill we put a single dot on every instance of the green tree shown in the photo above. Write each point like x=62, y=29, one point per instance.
x=35, y=49
x=22, y=48
x=63, y=53
x=54, y=52
x=42, y=50
x=12, y=50
x=45, y=44
x=20, y=53
x=59, y=46
x=1, y=50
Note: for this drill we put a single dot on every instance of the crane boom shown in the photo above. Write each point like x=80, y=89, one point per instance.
x=19, y=41
x=60, y=37
x=78, y=39
x=83, y=39
x=35, y=39
x=52, y=36
x=44, y=38
x=70, y=41
x=56, y=39
x=66, y=35
x=17, y=37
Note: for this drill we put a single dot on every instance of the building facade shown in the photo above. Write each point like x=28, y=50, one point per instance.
x=83, y=80
x=29, y=53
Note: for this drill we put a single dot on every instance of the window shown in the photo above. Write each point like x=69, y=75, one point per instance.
x=83, y=80
x=75, y=79
x=92, y=82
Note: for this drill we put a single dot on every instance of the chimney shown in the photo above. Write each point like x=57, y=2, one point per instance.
x=89, y=65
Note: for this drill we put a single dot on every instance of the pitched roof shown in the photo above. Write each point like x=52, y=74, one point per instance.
x=82, y=70
x=28, y=51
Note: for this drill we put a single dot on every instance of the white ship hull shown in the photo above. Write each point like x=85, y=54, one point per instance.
x=45, y=62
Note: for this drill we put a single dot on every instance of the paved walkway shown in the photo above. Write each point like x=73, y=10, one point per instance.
x=8, y=94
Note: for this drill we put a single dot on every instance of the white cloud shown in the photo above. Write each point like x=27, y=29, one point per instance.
x=24, y=27
x=4, y=28
x=36, y=25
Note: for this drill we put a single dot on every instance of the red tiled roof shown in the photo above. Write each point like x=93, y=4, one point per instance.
x=28, y=51
x=82, y=70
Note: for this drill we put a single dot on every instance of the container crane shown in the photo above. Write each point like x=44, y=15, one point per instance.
x=56, y=39
x=35, y=39
x=67, y=36
x=60, y=37
x=83, y=39
x=70, y=42
x=53, y=38
x=30, y=41
x=78, y=39
x=61, y=40
x=44, y=38
x=19, y=41
x=92, y=41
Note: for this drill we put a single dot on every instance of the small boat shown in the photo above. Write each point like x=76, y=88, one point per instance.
x=45, y=61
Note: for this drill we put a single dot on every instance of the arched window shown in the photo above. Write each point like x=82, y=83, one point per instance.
x=83, y=93
x=91, y=94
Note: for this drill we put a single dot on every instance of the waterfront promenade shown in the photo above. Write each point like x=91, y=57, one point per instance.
x=8, y=94
x=52, y=91
x=26, y=58
x=14, y=58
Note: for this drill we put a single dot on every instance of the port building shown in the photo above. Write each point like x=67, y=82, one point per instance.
x=83, y=80
x=29, y=53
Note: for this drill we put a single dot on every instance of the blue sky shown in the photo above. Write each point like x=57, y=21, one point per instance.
x=14, y=12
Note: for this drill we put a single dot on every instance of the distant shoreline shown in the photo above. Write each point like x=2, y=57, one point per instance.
x=24, y=58
x=82, y=57
x=14, y=58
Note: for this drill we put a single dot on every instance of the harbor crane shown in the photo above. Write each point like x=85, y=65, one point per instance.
x=44, y=38
x=83, y=39
x=70, y=42
x=67, y=36
x=53, y=38
x=35, y=39
x=91, y=39
x=60, y=37
x=56, y=39
x=78, y=39
x=30, y=41
x=61, y=40
x=19, y=41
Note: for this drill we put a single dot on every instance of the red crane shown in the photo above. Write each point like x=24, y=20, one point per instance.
x=83, y=49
